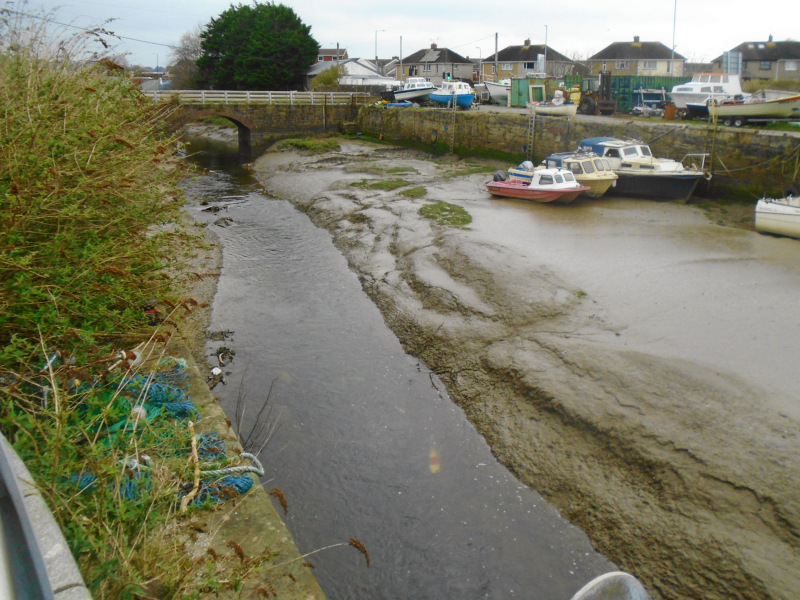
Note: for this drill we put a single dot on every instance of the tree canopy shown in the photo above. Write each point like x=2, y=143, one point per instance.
x=256, y=47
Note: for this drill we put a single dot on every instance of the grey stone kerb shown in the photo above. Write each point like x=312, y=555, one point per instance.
x=33, y=551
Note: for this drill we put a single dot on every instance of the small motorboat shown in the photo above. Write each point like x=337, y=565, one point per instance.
x=780, y=216
x=454, y=93
x=545, y=185
x=706, y=86
x=588, y=168
x=643, y=175
x=416, y=89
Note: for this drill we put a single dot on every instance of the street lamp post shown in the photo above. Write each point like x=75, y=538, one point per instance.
x=480, y=63
x=376, y=42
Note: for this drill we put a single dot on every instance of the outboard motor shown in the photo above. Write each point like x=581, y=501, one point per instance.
x=499, y=176
x=526, y=165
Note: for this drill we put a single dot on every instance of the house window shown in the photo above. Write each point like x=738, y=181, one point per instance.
x=765, y=65
x=529, y=66
x=621, y=64
x=791, y=65
x=426, y=67
x=506, y=67
x=494, y=70
x=649, y=65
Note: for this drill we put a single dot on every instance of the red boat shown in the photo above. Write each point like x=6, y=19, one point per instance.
x=546, y=185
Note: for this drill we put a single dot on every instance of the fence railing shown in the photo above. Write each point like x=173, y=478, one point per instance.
x=243, y=97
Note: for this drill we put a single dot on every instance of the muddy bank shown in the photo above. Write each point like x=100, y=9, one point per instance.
x=676, y=471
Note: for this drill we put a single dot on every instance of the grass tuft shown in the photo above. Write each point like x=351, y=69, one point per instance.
x=445, y=213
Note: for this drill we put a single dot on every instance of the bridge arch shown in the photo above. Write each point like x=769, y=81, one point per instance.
x=243, y=125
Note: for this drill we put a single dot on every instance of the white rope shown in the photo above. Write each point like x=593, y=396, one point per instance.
x=257, y=468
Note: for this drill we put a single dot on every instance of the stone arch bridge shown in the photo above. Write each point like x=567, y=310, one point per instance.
x=263, y=117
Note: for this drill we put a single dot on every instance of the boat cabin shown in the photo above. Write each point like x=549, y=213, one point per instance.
x=417, y=83
x=556, y=177
x=579, y=163
x=617, y=150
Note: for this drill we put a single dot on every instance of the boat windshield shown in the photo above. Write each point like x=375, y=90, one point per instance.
x=575, y=167
x=588, y=167
x=546, y=180
x=630, y=151
x=559, y=179
x=645, y=150
x=600, y=166
x=568, y=177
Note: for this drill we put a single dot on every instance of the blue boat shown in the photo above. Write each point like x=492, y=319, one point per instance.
x=454, y=93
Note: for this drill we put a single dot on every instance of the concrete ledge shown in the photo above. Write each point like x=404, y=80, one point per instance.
x=62, y=571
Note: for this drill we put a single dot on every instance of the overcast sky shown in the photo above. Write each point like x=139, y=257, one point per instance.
x=702, y=29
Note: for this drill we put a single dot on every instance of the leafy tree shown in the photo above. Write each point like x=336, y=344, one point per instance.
x=328, y=79
x=258, y=47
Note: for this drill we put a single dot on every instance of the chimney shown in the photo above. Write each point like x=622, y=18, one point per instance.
x=527, y=42
x=433, y=46
x=770, y=38
x=636, y=39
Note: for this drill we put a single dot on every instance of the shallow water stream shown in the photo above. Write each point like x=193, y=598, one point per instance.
x=365, y=441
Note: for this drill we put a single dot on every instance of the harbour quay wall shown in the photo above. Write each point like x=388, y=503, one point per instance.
x=744, y=162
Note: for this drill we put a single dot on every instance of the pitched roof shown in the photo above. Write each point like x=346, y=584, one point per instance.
x=526, y=53
x=636, y=50
x=767, y=50
x=435, y=55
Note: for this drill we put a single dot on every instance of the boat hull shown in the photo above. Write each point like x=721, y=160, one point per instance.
x=657, y=186
x=781, y=108
x=461, y=100
x=781, y=217
x=515, y=188
x=555, y=110
x=412, y=95
x=498, y=91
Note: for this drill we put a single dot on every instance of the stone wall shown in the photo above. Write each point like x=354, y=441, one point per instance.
x=742, y=160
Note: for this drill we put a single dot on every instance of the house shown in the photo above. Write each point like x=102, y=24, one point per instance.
x=519, y=61
x=437, y=65
x=766, y=60
x=638, y=58
x=331, y=54
x=354, y=72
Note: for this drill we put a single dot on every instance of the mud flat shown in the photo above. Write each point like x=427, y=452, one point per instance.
x=682, y=473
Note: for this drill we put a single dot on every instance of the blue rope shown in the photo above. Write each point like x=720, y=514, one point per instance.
x=211, y=448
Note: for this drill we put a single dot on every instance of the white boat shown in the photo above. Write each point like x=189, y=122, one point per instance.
x=643, y=175
x=499, y=91
x=588, y=168
x=738, y=113
x=454, y=93
x=416, y=89
x=558, y=106
x=545, y=185
x=719, y=86
x=780, y=216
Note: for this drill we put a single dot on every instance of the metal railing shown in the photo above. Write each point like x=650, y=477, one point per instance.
x=243, y=97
